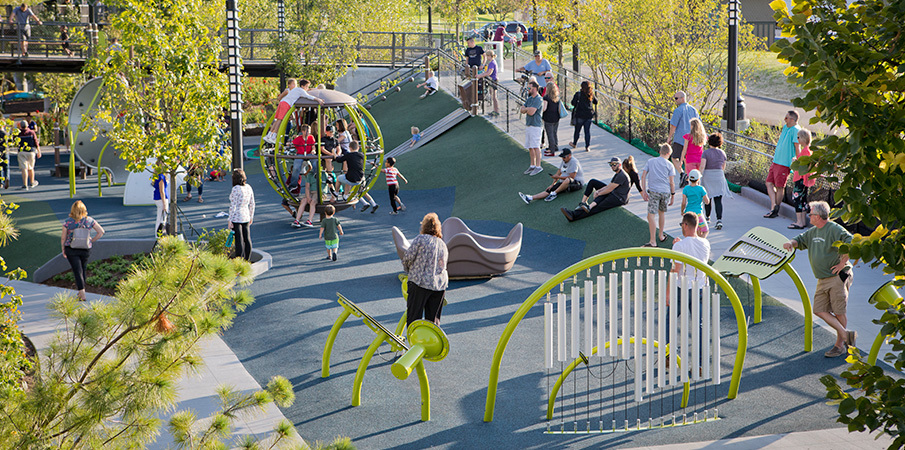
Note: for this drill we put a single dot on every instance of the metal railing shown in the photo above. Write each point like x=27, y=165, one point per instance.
x=45, y=39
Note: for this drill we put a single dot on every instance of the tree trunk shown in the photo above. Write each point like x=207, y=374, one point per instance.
x=172, y=216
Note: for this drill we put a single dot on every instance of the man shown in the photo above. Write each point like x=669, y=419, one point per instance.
x=569, y=177
x=679, y=126
x=474, y=54
x=355, y=172
x=539, y=67
x=29, y=150
x=786, y=148
x=657, y=187
x=832, y=270
x=532, y=110
x=22, y=14
x=286, y=100
x=692, y=245
x=607, y=197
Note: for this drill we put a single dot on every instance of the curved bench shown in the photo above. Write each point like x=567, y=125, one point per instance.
x=472, y=254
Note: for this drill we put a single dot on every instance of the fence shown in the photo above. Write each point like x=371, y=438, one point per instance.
x=46, y=40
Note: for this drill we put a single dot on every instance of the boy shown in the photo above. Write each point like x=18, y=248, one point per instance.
x=393, y=185
x=430, y=84
x=329, y=228
x=287, y=99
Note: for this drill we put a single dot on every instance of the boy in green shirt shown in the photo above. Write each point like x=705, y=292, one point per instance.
x=329, y=228
x=832, y=270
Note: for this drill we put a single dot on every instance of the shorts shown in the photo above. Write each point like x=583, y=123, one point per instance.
x=800, y=197
x=24, y=31
x=532, y=137
x=26, y=160
x=574, y=185
x=332, y=244
x=778, y=175
x=677, y=150
x=342, y=179
x=282, y=110
x=702, y=229
x=831, y=294
x=657, y=202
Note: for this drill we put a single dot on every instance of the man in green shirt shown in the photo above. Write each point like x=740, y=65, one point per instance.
x=832, y=270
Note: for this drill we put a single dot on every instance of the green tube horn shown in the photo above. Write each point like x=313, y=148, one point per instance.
x=888, y=295
x=426, y=341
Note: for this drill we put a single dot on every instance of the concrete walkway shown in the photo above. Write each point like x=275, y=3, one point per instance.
x=197, y=392
x=741, y=213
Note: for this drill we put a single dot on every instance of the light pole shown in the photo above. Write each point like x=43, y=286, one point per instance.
x=281, y=34
x=234, y=75
x=732, y=91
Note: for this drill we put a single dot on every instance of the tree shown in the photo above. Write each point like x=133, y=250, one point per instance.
x=850, y=61
x=113, y=367
x=163, y=94
x=499, y=10
x=14, y=363
x=60, y=89
x=652, y=49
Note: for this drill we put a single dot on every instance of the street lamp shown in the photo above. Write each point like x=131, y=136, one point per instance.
x=731, y=111
x=234, y=76
x=281, y=34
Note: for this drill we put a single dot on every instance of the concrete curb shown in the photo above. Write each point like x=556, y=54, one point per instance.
x=785, y=210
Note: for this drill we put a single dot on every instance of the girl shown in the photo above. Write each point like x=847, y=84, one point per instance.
x=584, y=103
x=694, y=145
x=694, y=197
x=551, y=118
x=802, y=182
x=629, y=167
x=343, y=135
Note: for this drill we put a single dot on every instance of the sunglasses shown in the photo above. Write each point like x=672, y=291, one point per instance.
x=676, y=98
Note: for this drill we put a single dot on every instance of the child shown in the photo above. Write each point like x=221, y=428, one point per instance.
x=307, y=199
x=393, y=185
x=287, y=99
x=430, y=84
x=802, y=182
x=304, y=145
x=330, y=226
x=195, y=174
x=416, y=136
x=694, y=196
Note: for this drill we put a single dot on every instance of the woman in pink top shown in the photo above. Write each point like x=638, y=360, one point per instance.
x=802, y=182
x=694, y=146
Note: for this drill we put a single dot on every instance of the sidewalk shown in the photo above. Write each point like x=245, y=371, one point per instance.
x=740, y=215
x=197, y=392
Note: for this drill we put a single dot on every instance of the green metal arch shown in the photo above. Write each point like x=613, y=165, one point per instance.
x=587, y=263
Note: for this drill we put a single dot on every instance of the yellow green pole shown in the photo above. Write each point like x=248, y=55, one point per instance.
x=758, y=299
x=875, y=349
x=331, y=338
x=806, y=304
x=425, y=391
x=363, y=365
x=71, y=164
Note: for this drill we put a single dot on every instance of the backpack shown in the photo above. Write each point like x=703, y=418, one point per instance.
x=81, y=238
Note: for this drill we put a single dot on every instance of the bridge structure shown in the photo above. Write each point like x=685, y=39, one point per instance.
x=47, y=52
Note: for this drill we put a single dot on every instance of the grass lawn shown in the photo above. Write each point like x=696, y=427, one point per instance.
x=766, y=78
x=39, y=235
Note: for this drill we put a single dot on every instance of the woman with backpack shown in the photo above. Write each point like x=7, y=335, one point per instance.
x=583, y=114
x=76, y=242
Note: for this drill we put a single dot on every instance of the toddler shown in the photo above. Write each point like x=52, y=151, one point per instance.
x=330, y=232
x=416, y=136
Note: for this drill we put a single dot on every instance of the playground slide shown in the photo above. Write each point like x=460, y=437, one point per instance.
x=95, y=153
x=436, y=129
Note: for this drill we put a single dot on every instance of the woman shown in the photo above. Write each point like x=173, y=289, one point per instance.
x=713, y=161
x=343, y=135
x=584, y=103
x=551, y=118
x=241, y=213
x=425, y=263
x=694, y=146
x=161, y=195
x=78, y=257
x=629, y=167
x=490, y=85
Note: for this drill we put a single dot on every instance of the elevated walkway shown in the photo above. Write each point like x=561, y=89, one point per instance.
x=436, y=129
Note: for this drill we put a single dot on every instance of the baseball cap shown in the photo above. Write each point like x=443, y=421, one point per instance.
x=694, y=175
x=615, y=160
x=565, y=152
x=538, y=53
x=330, y=128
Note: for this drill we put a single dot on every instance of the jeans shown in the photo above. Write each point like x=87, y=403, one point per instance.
x=188, y=188
x=243, y=240
x=718, y=202
x=296, y=169
x=550, y=128
x=579, y=124
x=78, y=260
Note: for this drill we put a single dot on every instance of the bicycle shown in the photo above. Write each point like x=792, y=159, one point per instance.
x=523, y=81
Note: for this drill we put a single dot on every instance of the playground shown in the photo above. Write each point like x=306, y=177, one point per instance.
x=473, y=171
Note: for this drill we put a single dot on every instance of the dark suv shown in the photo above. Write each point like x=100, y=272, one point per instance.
x=486, y=32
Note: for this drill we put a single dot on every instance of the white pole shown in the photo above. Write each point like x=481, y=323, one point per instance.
x=548, y=335
x=588, y=317
x=705, y=333
x=561, y=327
x=683, y=337
x=614, y=322
x=649, y=334
x=601, y=315
x=661, y=329
x=626, y=308
x=716, y=337
x=673, y=334
x=576, y=325
x=695, y=330
x=638, y=312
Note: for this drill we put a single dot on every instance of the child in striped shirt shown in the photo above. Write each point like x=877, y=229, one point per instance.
x=393, y=185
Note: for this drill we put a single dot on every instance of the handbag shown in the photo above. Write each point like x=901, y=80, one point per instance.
x=572, y=120
x=563, y=112
x=81, y=238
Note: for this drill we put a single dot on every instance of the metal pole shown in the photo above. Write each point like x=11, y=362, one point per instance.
x=732, y=91
x=430, y=26
x=234, y=73
x=281, y=32
x=533, y=25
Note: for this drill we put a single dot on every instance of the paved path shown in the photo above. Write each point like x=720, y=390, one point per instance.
x=196, y=392
x=741, y=213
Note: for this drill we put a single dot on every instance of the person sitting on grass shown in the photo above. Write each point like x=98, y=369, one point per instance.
x=569, y=178
x=607, y=196
x=430, y=84
x=330, y=232
x=287, y=99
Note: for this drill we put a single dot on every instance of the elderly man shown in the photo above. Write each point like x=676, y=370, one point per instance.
x=608, y=196
x=22, y=14
x=679, y=126
x=787, y=148
x=569, y=177
x=832, y=270
x=539, y=67
x=534, y=127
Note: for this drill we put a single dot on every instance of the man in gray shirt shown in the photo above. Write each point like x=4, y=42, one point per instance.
x=679, y=126
x=532, y=110
x=22, y=14
x=658, y=186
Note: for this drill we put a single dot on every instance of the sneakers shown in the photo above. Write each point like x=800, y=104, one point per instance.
x=525, y=198
x=374, y=208
x=567, y=213
x=550, y=197
x=334, y=256
x=850, y=339
x=585, y=207
x=270, y=138
x=34, y=185
x=402, y=207
x=308, y=224
x=530, y=169
x=25, y=187
x=423, y=95
x=536, y=171
x=834, y=352
x=393, y=213
x=296, y=224
x=549, y=153
x=683, y=180
x=719, y=225
x=365, y=207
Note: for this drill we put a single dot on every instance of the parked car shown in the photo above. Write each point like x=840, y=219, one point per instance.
x=487, y=31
